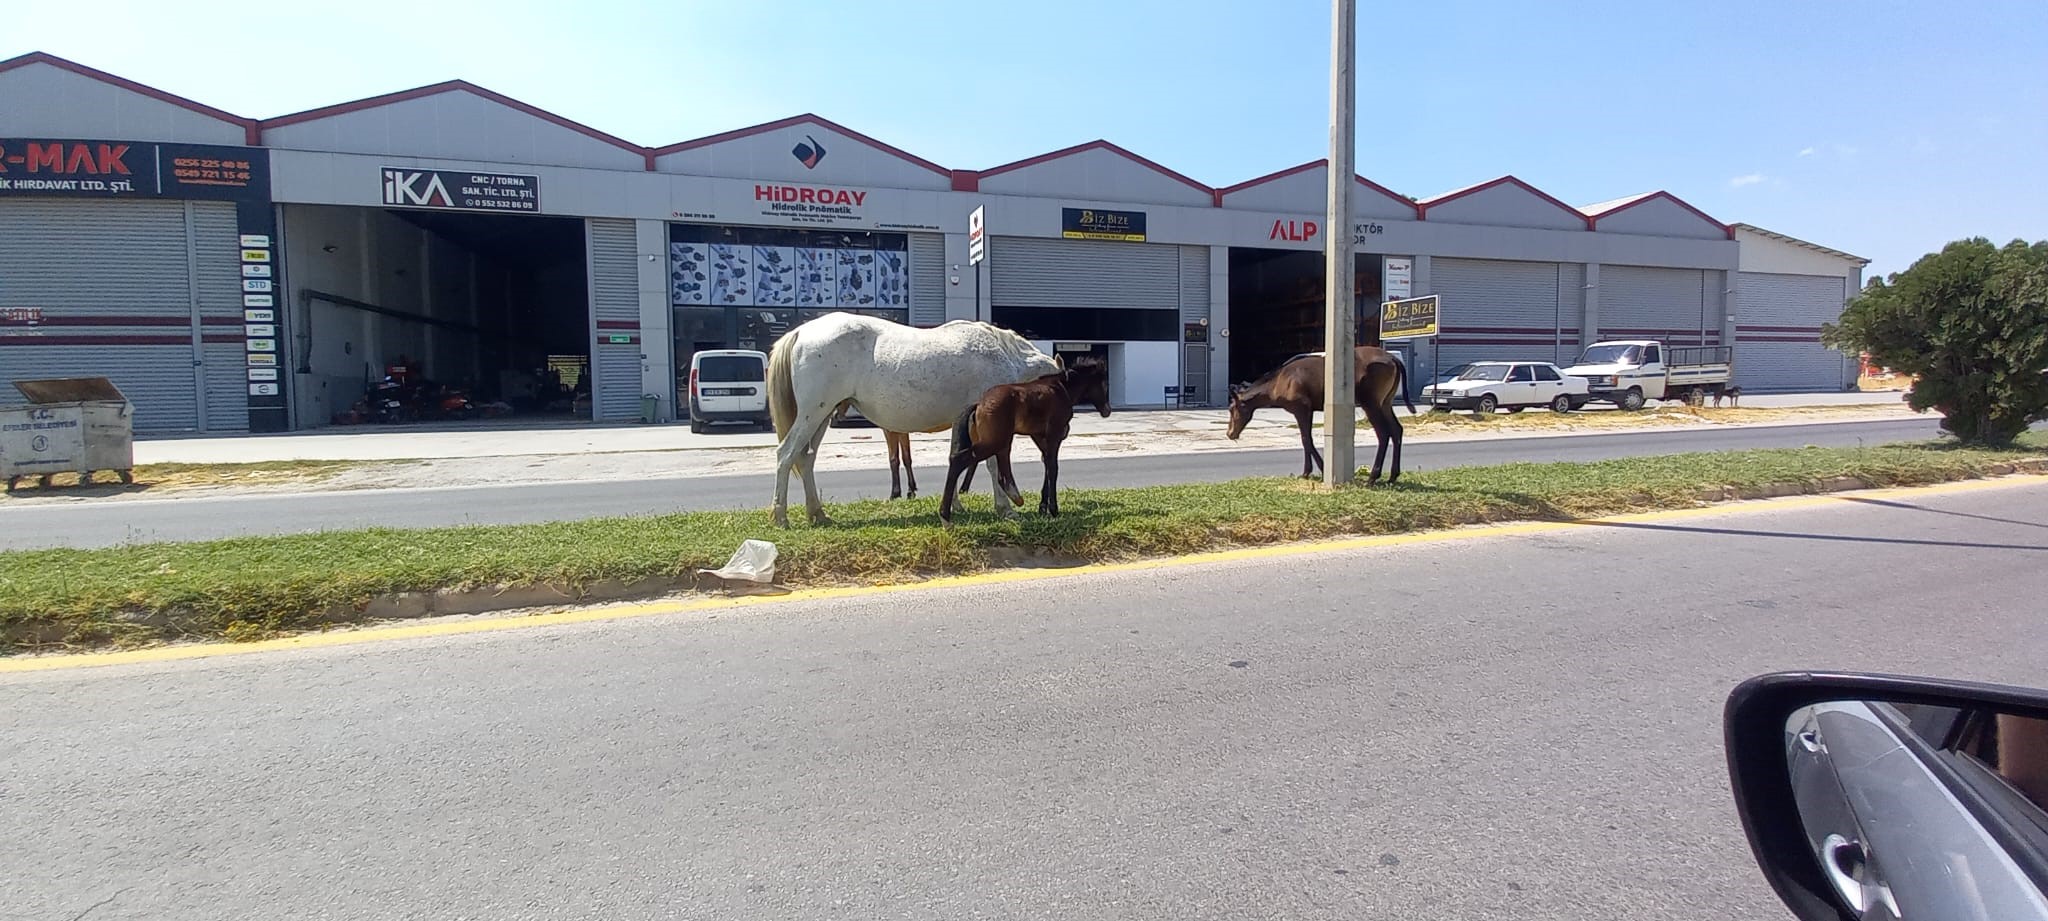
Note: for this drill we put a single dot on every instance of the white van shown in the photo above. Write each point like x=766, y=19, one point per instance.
x=728, y=385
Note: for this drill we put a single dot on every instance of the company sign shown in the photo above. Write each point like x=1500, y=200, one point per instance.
x=1397, y=278
x=461, y=190
x=1413, y=318
x=1303, y=231
x=977, y=234
x=811, y=204
x=1097, y=224
x=75, y=168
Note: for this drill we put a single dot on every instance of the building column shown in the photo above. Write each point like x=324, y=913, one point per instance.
x=1219, y=325
x=1731, y=296
x=960, y=303
x=1589, y=312
x=657, y=318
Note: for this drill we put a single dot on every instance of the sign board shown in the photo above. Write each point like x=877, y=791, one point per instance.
x=461, y=190
x=1412, y=318
x=77, y=168
x=618, y=338
x=977, y=235
x=1397, y=278
x=1097, y=224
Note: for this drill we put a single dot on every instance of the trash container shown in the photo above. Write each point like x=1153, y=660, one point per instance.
x=650, y=408
x=75, y=425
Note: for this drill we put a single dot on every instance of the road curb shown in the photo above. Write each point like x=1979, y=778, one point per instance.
x=499, y=598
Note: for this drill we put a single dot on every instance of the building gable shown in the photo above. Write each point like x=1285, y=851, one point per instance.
x=1095, y=171
x=1504, y=202
x=1656, y=214
x=452, y=121
x=805, y=148
x=1305, y=188
x=47, y=96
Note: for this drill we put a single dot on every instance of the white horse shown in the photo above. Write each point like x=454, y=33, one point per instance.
x=903, y=379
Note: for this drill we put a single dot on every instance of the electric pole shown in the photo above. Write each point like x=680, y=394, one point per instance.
x=1340, y=322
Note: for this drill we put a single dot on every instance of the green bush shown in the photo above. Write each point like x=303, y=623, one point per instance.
x=1969, y=324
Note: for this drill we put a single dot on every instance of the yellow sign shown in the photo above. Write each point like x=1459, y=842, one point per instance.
x=1410, y=318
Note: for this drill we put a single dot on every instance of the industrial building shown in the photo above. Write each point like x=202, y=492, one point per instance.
x=237, y=274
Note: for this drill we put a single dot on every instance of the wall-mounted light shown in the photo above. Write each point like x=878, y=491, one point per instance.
x=329, y=248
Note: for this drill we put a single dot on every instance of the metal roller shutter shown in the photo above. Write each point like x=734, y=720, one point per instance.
x=156, y=378
x=115, y=281
x=1031, y=272
x=1778, y=336
x=615, y=302
x=927, y=279
x=1643, y=302
x=1498, y=310
x=1571, y=305
x=216, y=241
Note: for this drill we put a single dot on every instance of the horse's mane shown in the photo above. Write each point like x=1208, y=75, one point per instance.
x=1268, y=377
x=1009, y=343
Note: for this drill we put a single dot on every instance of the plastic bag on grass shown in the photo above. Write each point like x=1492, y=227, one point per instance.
x=751, y=570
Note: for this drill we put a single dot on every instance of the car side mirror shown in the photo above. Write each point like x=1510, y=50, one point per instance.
x=1878, y=796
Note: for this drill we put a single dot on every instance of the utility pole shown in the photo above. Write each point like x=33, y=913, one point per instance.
x=1340, y=320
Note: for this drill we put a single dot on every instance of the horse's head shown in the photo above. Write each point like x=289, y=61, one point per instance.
x=1087, y=381
x=1240, y=410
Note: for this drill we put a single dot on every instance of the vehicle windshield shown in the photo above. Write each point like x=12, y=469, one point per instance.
x=731, y=368
x=1484, y=373
x=1612, y=355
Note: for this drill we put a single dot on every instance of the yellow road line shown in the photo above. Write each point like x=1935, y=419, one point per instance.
x=998, y=577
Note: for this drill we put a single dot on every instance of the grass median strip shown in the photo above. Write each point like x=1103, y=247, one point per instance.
x=255, y=587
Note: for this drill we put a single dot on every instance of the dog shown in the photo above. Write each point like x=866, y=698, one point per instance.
x=1733, y=395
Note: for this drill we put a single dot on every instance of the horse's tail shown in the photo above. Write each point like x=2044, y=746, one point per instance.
x=963, y=432
x=1401, y=380
x=781, y=393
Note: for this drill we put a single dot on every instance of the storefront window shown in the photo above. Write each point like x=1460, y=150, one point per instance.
x=717, y=266
x=760, y=326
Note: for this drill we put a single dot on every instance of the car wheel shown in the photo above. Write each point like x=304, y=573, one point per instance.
x=1632, y=400
x=1486, y=405
x=1563, y=404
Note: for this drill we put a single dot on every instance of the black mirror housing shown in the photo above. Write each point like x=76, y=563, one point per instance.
x=1755, y=722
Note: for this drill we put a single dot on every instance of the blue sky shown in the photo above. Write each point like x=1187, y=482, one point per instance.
x=1882, y=128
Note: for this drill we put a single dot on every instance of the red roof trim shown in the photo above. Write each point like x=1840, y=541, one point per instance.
x=39, y=57
x=1065, y=152
x=1728, y=229
x=1314, y=164
x=1272, y=177
x=1448, y=197
x=450, y=86
x=804, y=119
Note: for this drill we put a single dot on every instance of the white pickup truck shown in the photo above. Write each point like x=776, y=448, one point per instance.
x=1631, y=372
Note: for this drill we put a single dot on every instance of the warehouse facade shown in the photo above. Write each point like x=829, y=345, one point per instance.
x=280, y=266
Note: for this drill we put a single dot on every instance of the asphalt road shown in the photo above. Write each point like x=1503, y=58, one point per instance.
x=89, y=523
x=1493, y=727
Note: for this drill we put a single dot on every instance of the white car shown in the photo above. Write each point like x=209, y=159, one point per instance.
x=1484, y=386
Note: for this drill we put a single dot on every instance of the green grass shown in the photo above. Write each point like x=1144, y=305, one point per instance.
x=254, y=587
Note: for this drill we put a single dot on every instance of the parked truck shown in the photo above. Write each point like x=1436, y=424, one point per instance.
x=1631, y=372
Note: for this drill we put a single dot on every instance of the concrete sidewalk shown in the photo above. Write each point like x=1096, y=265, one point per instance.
x=490, y=439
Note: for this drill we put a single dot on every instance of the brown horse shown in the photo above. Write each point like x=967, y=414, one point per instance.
x=899, y=455
x=1042, y=409
x=1297, y=386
